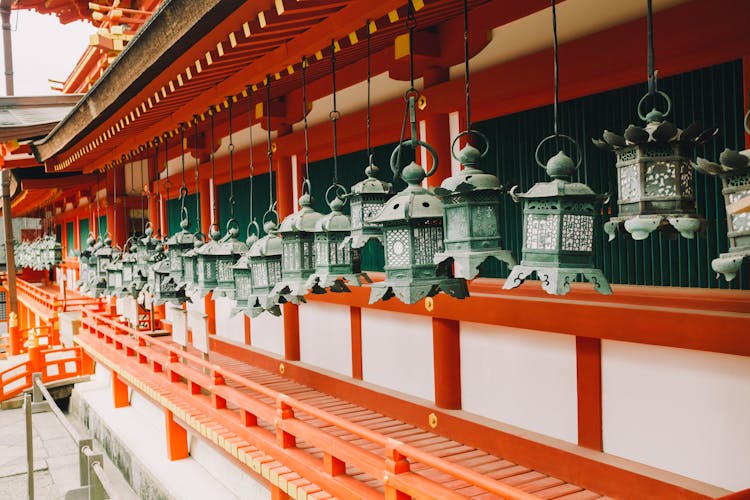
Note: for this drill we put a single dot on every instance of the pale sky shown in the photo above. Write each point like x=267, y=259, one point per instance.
x=42, y=49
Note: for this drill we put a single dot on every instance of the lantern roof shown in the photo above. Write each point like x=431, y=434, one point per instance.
x=471, y=177
x=302, y=221
x=336, y=220
x=730, y=163
x=371, y=184
x=557, y=188
x=267, y=246
x=183, y=236
x=229, y=245
x=656, y=130
x=413, y=202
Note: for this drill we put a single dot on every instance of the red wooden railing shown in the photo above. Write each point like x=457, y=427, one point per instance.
x=394, y=465
x=54, y=364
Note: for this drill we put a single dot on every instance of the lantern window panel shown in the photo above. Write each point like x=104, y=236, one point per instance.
x=274, y=271
x=661, y=179
x=484, y=220
x=321, y=248
x=630, y=183
x=224, y=269
x=342, y=255
x=242, y=279
x=738, y=181
x=127, y=273
x=542, y=231
x=687, y=184
x=428, y=240
x=398, y=247
x=627, y=155
x=175, y=260
x=370, y=210
x=740, y=222
x=577, y=233
x=260, y=274
x=456, y=220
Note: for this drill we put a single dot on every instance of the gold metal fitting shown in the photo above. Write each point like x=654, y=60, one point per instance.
x=432, y=420
x=429, y=304
x=281, y=368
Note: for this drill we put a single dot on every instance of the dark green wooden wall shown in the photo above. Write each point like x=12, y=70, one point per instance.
x=175, y=216
x=242, y=202
x=713, y=95
x=71, y=238
x=83, y=232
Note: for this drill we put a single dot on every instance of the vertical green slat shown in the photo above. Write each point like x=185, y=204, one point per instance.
x=71, y=238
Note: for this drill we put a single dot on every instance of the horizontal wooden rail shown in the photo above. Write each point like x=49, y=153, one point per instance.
x=53, y=364
x=203, y=379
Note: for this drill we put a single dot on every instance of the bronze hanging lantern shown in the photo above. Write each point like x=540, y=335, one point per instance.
x=129, y=260
x=190, y=265
x=366, y=200
x=558, y=230
x=114, y=276
x=264, y=258
x=412, y=223
x=178, y=244
x=734, y=170
x=336, y=262
x=297, y=233
x=85, y=265
x=162, y=285
x=227, y=254
x=655, y=185
x=471, y=205
x=243, y=272
x=105, y=255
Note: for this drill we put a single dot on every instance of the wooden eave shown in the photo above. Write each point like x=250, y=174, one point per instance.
x=192, y=55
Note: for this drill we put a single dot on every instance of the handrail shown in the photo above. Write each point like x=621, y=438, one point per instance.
x=212, y=378
x=39, y=362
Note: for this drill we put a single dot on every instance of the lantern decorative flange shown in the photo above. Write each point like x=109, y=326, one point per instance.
x=734, y=170
x=558, y=229
x=471, y=207
x=412, y=225
x=297, y=250
x=265, y=271
x=655, y=184
x=366, y=200
x=336, y=262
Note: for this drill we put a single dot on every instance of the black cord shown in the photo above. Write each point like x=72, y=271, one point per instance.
x=334, y=115
x=197, y=170
x=213, y=161
x=270, y=149
x=304, y=116
x=466, y=63
x=554, y=48
x=231, y=162
x=252, y=162
x=369, y=77
x=650, y=54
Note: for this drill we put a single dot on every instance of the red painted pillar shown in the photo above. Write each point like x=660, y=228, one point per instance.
x=93, y=222
x=77, y=233
x=116, y=212
x=446, y=345
x=153, y=198
x=285, y=206
x=64, y=238
x=437, y=129
x=355, y=315
x=248, y=331
x=589, y=389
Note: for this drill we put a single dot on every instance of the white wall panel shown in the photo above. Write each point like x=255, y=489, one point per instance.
x=229, y=326
x=267, y=332
x=520, y=377
x=681, y=410
x=397, y=352
x=325, y=336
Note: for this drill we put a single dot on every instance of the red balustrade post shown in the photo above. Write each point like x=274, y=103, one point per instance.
x=283, y=412
x=177, y=438
x=14, y=334
x=120, y=392
x=395, y=463
x=218, y=402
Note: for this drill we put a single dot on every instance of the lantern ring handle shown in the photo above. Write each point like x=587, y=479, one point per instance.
x=271, y=211
x=476, y=133
x=338, y=191
x=412, y=92
x=253, y=224
x=559, y=136
x=747, y=121
x=183, y=191
x=413, y=144
x=643, y=99
x=233, y=224
x=185, y=215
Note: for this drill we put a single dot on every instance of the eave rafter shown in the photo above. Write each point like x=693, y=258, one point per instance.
x=272, y=39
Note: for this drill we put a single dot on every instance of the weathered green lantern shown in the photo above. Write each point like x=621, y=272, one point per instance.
x=264, y=257
x=655, y=185
x=190, y=264
x=336, y=262
x=114, y=276
x=85, y=263
x=52, y=252
x=228, y=252
x=412, y=225
x=471, y=205
x=297, y=249
x=161, y=284
x=146, y=248
x=129, y=261
x=206, y=272
x=366, y=200
x=104, y=256
x=243, y=273
x=558, y=230
x=177, y=245
x=734, y=170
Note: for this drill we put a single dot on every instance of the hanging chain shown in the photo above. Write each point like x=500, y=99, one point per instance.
x=556, y=78
x=411, y=23
x=466, y=63
x=231, y=163
x=197, y=170
x=270, y=148
x=369, y=78
x=250, y=133
x=167, y=182
x=334, y=115
x=304, y=116
x=183, y=188
x=410, y=96
x=143, y=217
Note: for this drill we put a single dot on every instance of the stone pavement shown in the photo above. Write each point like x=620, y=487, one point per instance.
x=55, y=458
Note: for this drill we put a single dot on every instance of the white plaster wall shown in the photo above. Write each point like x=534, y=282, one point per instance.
x=397, y=352
x=325, y=336
x=681, y=410
x=267, y=332
x=229, y=326
x=197, y=303
x=520, y=377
